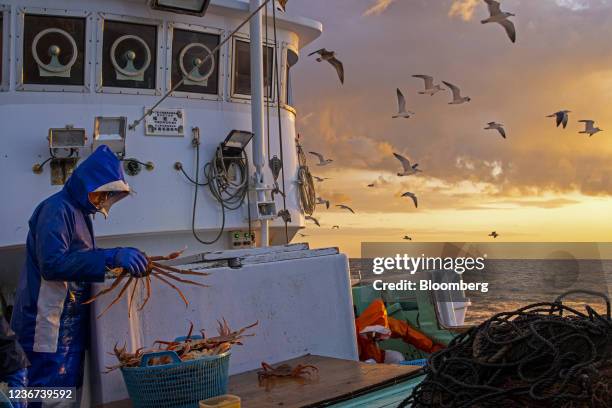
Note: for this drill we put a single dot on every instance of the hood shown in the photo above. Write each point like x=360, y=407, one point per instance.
x=101, y=171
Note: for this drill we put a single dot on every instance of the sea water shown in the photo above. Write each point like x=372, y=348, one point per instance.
x=513, y=283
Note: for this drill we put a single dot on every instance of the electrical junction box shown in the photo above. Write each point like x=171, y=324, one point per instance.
x=242, y=239
x=165, y=122
x=263, y=210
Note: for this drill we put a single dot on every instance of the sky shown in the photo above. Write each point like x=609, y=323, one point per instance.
x=540, y=184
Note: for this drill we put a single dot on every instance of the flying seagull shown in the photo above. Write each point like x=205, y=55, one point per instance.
x=430, y=88
x=302, y=235
x=413, y=196
x=589, y=127
x=313, y=219
x=322, y=160
x=282, y=5
x=501, y=17
x=336, y=227
x=345, y=207
x=401, y=107
x=320, y=179
x=330, y=56
x=323, y=201
x=408, y=169
x=457, y=98
x=562, y=117
x=496, y=126
x=407, y=238
x=494, y=234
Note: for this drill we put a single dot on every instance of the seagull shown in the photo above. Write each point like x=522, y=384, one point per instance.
x=457, y=98
x=408, y=168
x=323, y=201
x=313, y=219
x=496, y=126
x=401, y=107
x=302, y=235
x=430, y=88
x=330, y=56
x=372, y=185
x=320, y=179
x=282, y=5
x=562, y=117
x=413, y=196
x=336, y=227
x=407, y=238
x=345, y=207
x=494, y=234
x=589, y=129
x=501, y=17
x=322, y=160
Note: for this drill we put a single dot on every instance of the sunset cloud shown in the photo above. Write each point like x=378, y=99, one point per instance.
x=574, y=5
x=463, y=9
x=540, y=178
x=378, y=7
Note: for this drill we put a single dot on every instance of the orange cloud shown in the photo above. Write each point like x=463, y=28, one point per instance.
x=463, y=9
x=378, y=7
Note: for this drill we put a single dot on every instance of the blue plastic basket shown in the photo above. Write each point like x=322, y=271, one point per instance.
x=420, y=362
x=180, y=384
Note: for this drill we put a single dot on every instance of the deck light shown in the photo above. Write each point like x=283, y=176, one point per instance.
x=235, y=142
x=110, y=131
x=194, y=7
x=65, y=145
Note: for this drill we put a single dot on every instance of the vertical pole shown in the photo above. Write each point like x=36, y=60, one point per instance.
x=257, y=110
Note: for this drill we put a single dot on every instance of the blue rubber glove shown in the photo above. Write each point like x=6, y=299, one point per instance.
x=132, y=260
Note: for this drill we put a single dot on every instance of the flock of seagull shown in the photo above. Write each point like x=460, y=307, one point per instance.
x=496, y=15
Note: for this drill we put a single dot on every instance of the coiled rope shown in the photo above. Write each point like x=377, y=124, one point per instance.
x=541, y=355
x=306, y=186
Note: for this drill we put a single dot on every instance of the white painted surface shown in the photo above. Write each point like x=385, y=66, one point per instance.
x=163, y=200
x=303, y=306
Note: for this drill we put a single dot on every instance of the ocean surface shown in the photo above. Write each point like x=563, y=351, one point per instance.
x=515, y=283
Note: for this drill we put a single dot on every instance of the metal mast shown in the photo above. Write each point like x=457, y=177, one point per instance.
x=257, y=110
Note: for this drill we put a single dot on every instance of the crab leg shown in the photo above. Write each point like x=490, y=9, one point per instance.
x=176, y=278
x=177, y=270
x=123, y=289
x=169, y=257
x=132, y=297
x=107, y=290
x=175, y=288
x=148, y=295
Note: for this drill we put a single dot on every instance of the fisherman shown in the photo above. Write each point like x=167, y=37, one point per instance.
x=13, y=361
x=374, y=325
x=62, y=261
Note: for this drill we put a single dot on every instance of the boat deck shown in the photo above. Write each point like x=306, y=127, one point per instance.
x=337, y=381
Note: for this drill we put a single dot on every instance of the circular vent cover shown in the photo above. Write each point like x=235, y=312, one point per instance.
x=57, y=47
x=131, y=57
x=197, y=63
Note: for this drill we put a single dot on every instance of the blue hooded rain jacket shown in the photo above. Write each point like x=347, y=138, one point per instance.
x=62, y=260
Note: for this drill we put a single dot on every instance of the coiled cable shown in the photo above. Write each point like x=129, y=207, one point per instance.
x=228, y=181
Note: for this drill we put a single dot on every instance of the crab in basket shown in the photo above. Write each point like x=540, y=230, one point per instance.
x=188, y=348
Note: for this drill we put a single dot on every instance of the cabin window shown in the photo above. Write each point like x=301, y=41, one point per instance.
x=51, y=50
x=292, y=59
x=129, y=55
x=241, y=85
x=190, y=50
